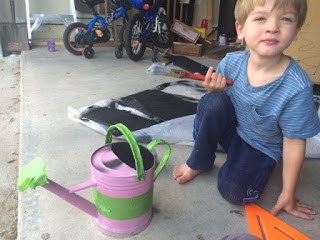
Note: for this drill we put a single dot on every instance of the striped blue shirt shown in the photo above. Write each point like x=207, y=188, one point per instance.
x=266, y=114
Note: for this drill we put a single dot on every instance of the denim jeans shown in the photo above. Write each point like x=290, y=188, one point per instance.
x=242, y=178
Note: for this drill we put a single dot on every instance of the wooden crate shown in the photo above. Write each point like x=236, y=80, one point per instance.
x=189, y=49
x=185, y=31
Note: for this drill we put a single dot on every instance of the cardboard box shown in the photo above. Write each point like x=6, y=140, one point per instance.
x=189, y=49
x=185, y=31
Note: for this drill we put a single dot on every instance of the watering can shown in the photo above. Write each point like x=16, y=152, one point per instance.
x=122, y=176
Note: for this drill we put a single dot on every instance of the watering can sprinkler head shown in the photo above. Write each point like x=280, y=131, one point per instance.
x=32, y=175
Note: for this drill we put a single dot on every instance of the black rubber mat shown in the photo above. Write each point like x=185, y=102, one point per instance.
x=187, y=64
x=108, y=116
x=160, y=105
x=155, y=106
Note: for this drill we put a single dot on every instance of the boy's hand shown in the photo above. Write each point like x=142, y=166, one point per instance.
x=214, y=82
x=293, y=207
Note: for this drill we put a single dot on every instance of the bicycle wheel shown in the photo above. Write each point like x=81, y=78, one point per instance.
x=163, y=38
x=135, y=45
x=88, y=52
x=74, y=38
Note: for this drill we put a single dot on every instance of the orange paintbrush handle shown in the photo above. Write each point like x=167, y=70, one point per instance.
x=199, y=77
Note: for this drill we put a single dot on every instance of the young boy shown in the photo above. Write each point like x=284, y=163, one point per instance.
x=264, y=117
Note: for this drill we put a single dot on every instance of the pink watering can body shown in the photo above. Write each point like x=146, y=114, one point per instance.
x=122, y=177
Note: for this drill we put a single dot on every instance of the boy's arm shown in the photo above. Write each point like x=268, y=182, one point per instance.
x=293, y=157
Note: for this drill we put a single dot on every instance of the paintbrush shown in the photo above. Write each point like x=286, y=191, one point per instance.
x=157, y=69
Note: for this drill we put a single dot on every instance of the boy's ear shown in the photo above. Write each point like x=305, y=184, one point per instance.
x=239, y=29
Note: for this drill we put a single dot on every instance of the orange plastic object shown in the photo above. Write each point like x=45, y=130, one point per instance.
x=268, y=227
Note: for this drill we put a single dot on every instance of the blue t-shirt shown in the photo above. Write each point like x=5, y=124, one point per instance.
x=265, y=114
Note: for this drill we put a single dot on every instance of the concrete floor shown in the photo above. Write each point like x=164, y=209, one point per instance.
x=53, y=81
x=9, y=141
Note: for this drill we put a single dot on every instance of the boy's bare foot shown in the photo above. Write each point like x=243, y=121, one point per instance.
x=184, y=173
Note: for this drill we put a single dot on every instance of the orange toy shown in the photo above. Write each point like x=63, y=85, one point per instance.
x=268, y=227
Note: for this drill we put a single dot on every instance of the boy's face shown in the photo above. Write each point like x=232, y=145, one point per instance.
x=269, y=31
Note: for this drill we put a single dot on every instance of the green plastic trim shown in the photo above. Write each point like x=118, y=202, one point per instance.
x=122, y=208
x=165, y=157
x=133, y=145
x=32, y=175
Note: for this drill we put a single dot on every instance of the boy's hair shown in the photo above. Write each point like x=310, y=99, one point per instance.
x=244, y=7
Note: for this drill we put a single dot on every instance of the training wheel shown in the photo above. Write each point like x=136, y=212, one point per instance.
x=118, y=52
x=88, y=52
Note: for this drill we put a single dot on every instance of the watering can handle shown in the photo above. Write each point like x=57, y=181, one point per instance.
x=165, y=157
x=133, y=145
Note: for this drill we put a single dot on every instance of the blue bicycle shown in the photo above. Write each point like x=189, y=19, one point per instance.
x=79, y=38
x=150, y=24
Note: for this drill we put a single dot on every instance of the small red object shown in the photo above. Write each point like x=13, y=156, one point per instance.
x=204, y=23
x=146, y=7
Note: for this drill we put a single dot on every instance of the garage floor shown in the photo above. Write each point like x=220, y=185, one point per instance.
x=53, y=81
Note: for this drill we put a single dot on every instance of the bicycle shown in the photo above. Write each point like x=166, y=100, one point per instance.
x=79, y=38
x=150, y=24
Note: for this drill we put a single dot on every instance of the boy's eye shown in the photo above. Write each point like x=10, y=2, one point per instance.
x=287, y=19
x=259, y=19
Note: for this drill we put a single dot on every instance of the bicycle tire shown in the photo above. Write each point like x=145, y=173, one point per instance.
x=70, y=43
x=118, y=52
x=88, y=52
x=135, y=46
x=165, y=38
